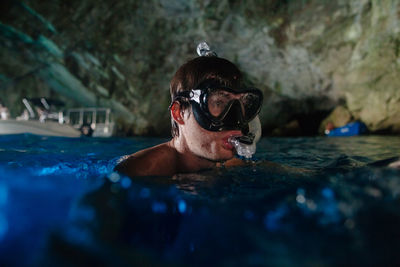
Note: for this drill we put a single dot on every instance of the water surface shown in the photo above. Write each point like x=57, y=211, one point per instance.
x=61, y=203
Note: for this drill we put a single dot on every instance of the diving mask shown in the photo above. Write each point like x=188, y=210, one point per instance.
x=218, y=108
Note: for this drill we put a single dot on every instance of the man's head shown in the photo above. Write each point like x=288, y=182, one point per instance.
x=198, y=70
x=211, y=89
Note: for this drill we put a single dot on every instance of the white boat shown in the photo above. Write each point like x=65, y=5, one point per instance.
x=49, y=128
x=42, y=118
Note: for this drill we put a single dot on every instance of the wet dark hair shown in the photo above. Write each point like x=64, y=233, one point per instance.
x=197, y=70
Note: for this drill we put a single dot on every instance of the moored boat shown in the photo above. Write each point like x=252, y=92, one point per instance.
x=44, y=117
x=350, y=129
x=50, y=128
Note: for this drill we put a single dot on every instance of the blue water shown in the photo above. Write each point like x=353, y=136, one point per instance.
x=60, y=203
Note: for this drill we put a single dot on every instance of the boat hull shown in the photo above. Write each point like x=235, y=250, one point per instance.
x=351, y=129
x=36, y=127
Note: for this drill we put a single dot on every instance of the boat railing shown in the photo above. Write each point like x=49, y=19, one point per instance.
x=91, y=121
x=41, y=113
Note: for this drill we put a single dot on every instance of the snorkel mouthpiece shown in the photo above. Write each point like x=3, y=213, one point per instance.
x=246, y=139
x=245, y=146
x=242, y=147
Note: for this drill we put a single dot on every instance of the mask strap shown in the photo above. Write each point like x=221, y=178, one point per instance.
x=179, y=96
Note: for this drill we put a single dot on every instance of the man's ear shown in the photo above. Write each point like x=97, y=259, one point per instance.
x=176, y=112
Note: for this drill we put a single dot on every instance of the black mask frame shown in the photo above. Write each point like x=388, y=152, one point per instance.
x=231, y=118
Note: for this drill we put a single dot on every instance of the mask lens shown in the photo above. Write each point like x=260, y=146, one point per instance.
x=251, y=103
x=218, y=100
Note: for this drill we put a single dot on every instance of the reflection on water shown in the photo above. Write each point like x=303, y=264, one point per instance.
x=69, y=208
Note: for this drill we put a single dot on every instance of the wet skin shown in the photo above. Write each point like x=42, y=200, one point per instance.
x=195, y=149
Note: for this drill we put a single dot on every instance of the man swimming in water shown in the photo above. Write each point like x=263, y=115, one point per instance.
x=209, y=107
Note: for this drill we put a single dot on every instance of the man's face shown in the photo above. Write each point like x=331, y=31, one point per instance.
x=206, y=144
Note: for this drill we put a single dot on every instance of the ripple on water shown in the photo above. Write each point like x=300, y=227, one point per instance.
x=342, y=212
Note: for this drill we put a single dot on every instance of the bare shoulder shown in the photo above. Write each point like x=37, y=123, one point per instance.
x=159, y=160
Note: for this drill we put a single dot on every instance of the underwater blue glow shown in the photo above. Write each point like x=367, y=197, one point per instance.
x=273, y=219
x=114, y=177
x=126, y=182
x=300, y=197
x=58, y=169
x=3, y=195
x=60, y=198
x=182, y=206
x=159, y=207
x=144, y=193
x=3, y=226
x=327, y=193
x=329, y=207
x=301, y=191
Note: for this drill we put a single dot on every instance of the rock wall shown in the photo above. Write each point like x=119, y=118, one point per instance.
x=307, y=56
